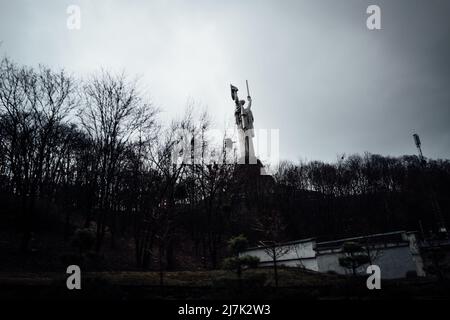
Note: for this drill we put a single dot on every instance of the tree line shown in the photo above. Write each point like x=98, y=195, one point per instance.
x=95, y=152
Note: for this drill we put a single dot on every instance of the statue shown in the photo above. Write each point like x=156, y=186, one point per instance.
x=243, y=116
x=244, y=122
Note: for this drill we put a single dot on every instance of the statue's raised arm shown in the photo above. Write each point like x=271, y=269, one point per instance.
x=239, y=106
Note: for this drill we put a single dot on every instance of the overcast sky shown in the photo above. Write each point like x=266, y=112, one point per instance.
x=316, y=73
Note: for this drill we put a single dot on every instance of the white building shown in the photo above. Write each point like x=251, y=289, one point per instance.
x=300, y=253
x=396, y=253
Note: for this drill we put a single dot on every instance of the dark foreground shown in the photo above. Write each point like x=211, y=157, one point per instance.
x=214, y=285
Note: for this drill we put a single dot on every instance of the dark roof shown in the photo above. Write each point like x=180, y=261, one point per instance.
x=373, y=239
x=287, y=243
x=379, y=238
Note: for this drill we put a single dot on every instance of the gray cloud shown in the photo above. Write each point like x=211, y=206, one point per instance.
x=330, y=85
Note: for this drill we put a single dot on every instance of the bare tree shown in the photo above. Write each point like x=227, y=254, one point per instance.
x=272, y=227
x=35, y=105
x=113, y=113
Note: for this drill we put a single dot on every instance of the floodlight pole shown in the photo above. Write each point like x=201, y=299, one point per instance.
x=433, y=199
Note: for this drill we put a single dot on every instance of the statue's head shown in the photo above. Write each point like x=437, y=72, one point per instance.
x=242, y=102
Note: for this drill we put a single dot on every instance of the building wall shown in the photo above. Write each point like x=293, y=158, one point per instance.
x=297, y=255
x=394, y=262
x=415, y=252
x=310, y=264
x=394, y=259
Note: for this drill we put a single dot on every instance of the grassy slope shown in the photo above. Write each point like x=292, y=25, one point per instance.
x=257, y=284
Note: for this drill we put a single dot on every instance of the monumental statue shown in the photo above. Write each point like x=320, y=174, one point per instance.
x=244, y=123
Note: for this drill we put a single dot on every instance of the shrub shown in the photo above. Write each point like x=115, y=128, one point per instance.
x=233, y=263
x=237, y=244
x=84, y=239
x=354, y=256
x=250, y=261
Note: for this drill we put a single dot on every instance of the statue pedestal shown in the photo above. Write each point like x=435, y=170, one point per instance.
x=246, y=147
